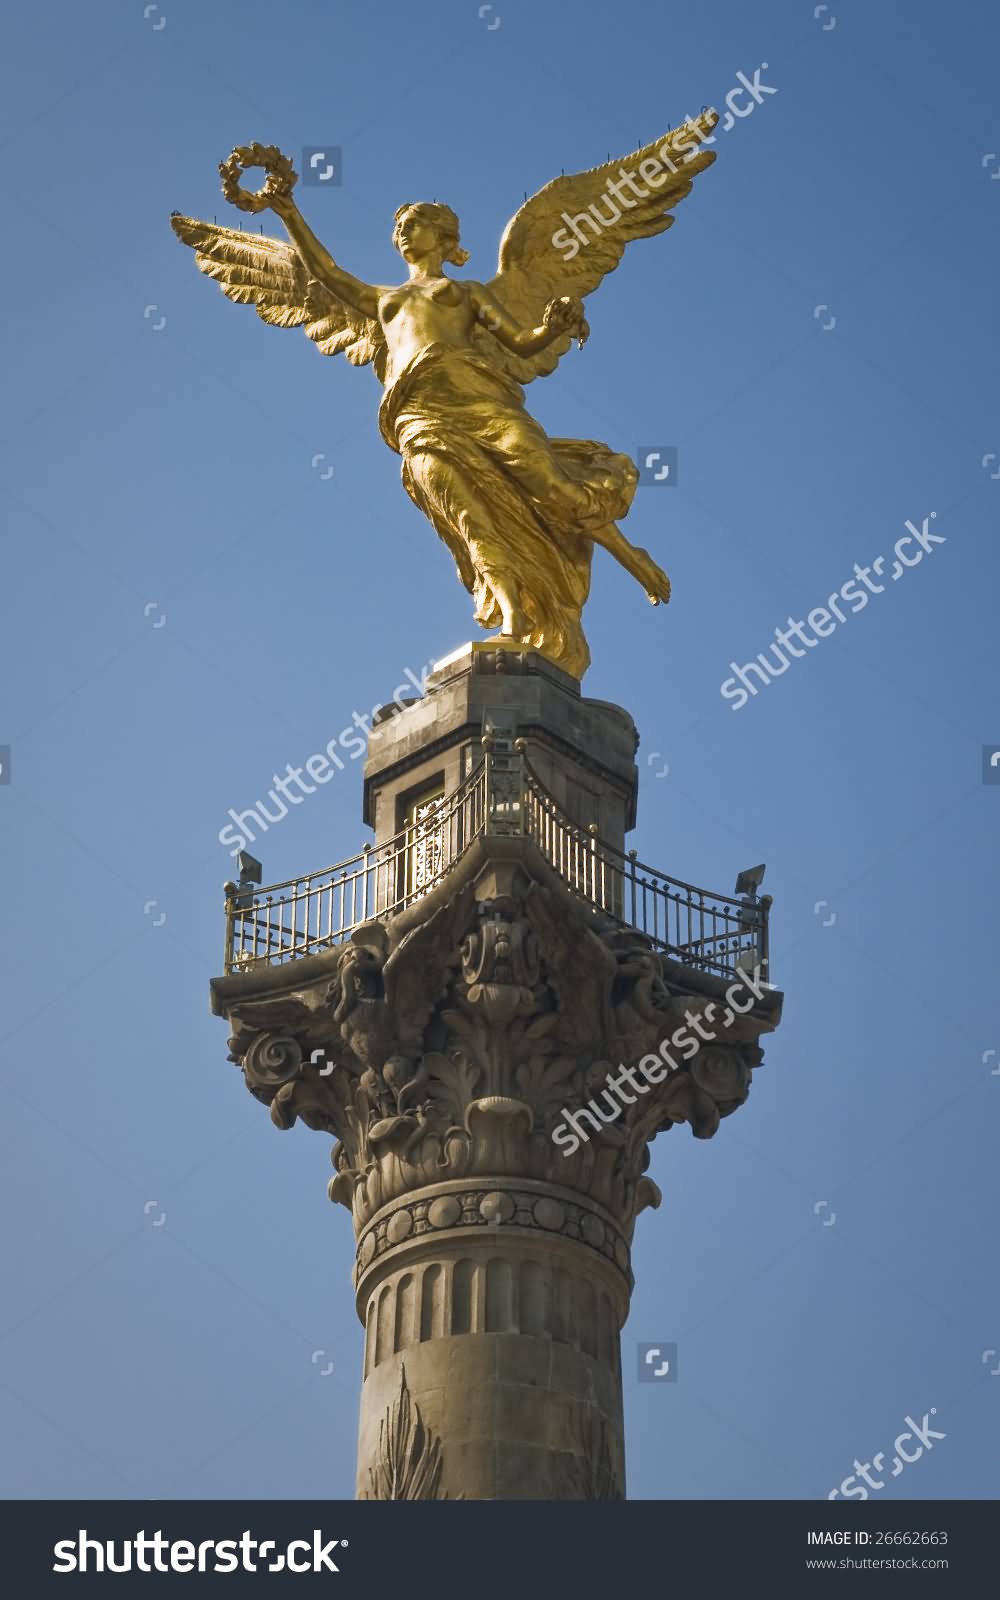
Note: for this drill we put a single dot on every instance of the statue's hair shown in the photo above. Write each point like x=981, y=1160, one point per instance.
x=443, y=219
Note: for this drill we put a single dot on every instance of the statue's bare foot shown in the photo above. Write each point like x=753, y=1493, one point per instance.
x=653, y=579
x=514, y=624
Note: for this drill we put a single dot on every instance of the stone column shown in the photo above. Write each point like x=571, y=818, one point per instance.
x=459, y=1052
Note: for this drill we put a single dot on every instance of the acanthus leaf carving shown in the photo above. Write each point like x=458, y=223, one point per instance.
x=409, y=1462
x=517, y=1001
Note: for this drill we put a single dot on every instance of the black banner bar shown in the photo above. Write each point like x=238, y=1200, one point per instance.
x=486, y=1547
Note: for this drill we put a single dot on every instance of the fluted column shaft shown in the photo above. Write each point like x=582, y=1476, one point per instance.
x=500, y=1305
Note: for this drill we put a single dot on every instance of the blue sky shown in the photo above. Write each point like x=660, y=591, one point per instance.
x=194, y=604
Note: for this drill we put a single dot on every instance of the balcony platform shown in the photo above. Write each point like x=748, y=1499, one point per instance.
x=503, y=746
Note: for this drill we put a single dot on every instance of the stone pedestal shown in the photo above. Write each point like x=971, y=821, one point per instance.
x=493, y=1060
x=582, y=750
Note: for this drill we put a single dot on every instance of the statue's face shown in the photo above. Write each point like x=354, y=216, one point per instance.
x=415, y=235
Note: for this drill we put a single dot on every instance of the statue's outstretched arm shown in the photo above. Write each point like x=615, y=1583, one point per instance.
x=561, y=316
x=320, y=264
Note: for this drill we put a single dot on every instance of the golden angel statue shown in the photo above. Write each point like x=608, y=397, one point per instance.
x=519, y=511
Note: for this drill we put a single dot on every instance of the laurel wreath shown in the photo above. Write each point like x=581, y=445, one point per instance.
x=281, y=176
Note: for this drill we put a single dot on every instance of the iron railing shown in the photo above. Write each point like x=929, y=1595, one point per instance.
x=713, y=932
x=304, y=916
x=503, y=796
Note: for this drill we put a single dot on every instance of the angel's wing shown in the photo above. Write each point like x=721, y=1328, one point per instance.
x=574, y=231
x=268, y=274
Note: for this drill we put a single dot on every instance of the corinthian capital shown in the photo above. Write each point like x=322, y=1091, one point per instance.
x=499, y=1028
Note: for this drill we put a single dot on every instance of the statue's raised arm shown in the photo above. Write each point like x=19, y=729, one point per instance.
x=288, y=290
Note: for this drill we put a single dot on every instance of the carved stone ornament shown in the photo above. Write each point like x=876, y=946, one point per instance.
x=449, y=1043
x=409, y=1460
